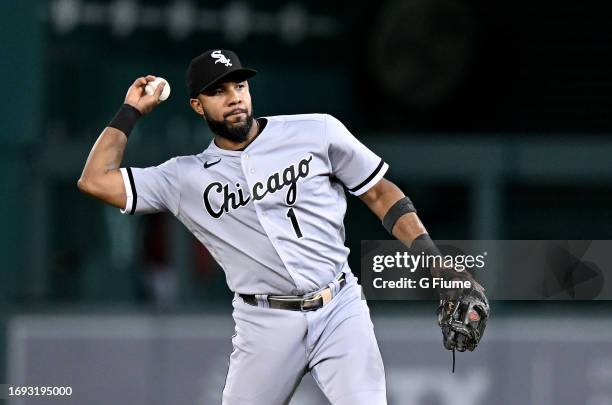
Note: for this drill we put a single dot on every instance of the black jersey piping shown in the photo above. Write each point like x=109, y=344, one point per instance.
x=370, y=177
x=133, y=187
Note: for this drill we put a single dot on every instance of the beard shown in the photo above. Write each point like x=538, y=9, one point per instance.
x=235, y=132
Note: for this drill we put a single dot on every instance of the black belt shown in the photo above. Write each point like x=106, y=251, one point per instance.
x=298, y=302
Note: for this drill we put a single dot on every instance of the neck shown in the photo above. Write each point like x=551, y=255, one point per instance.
x=225, y=143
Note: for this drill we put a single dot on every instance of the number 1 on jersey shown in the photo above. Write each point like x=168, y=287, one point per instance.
x=294, y=222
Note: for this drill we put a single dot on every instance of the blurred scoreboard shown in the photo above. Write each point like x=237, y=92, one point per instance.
x=95, y=49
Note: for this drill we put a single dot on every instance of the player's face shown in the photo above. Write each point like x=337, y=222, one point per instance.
x=227, y=109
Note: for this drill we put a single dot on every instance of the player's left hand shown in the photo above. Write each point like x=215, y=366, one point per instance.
x=463, y=319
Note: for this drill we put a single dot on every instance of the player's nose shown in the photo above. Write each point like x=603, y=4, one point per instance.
x=234, y=97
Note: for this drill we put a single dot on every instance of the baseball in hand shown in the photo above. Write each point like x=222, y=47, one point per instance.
x=152, y=85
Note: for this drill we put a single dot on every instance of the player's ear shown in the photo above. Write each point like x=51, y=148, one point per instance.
x=196, y=106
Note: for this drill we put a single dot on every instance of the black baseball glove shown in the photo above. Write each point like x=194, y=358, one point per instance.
x=463, y=318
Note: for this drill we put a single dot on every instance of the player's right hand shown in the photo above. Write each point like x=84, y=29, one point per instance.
x=137, y=98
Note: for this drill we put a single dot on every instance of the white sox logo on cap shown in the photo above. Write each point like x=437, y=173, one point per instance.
x=220, y=58
x=201, y=73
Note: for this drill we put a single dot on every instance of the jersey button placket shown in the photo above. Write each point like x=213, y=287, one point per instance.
x=276, y=241
x=245, y=157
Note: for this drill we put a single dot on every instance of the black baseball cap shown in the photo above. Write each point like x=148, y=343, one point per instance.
x=211, y=67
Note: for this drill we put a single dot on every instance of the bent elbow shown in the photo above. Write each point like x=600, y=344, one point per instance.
x=99, y=188
x=82, y=184
x=85, y=185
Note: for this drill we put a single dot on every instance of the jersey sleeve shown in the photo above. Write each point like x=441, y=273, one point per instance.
x=152, y=189
x=356, y=166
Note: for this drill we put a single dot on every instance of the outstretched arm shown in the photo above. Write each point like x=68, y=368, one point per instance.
x=101, y=177
x=405, y=225
x=462, y=313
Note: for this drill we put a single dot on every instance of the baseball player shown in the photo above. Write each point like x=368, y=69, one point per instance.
x=266, y=197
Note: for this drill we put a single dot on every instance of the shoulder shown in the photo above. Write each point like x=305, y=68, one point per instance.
x=182, y=163
x=327, y=120
x=307, y=124
x=176, y=161
x=298, y=118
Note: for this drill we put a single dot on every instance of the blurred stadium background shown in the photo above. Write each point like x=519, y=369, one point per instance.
x=494, y=117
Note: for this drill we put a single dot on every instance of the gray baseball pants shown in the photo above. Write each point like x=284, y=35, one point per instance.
x=274, y=348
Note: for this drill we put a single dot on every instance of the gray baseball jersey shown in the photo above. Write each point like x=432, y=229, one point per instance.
x=272, y=214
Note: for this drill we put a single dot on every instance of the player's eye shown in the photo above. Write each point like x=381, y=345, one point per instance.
x=216, y=92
